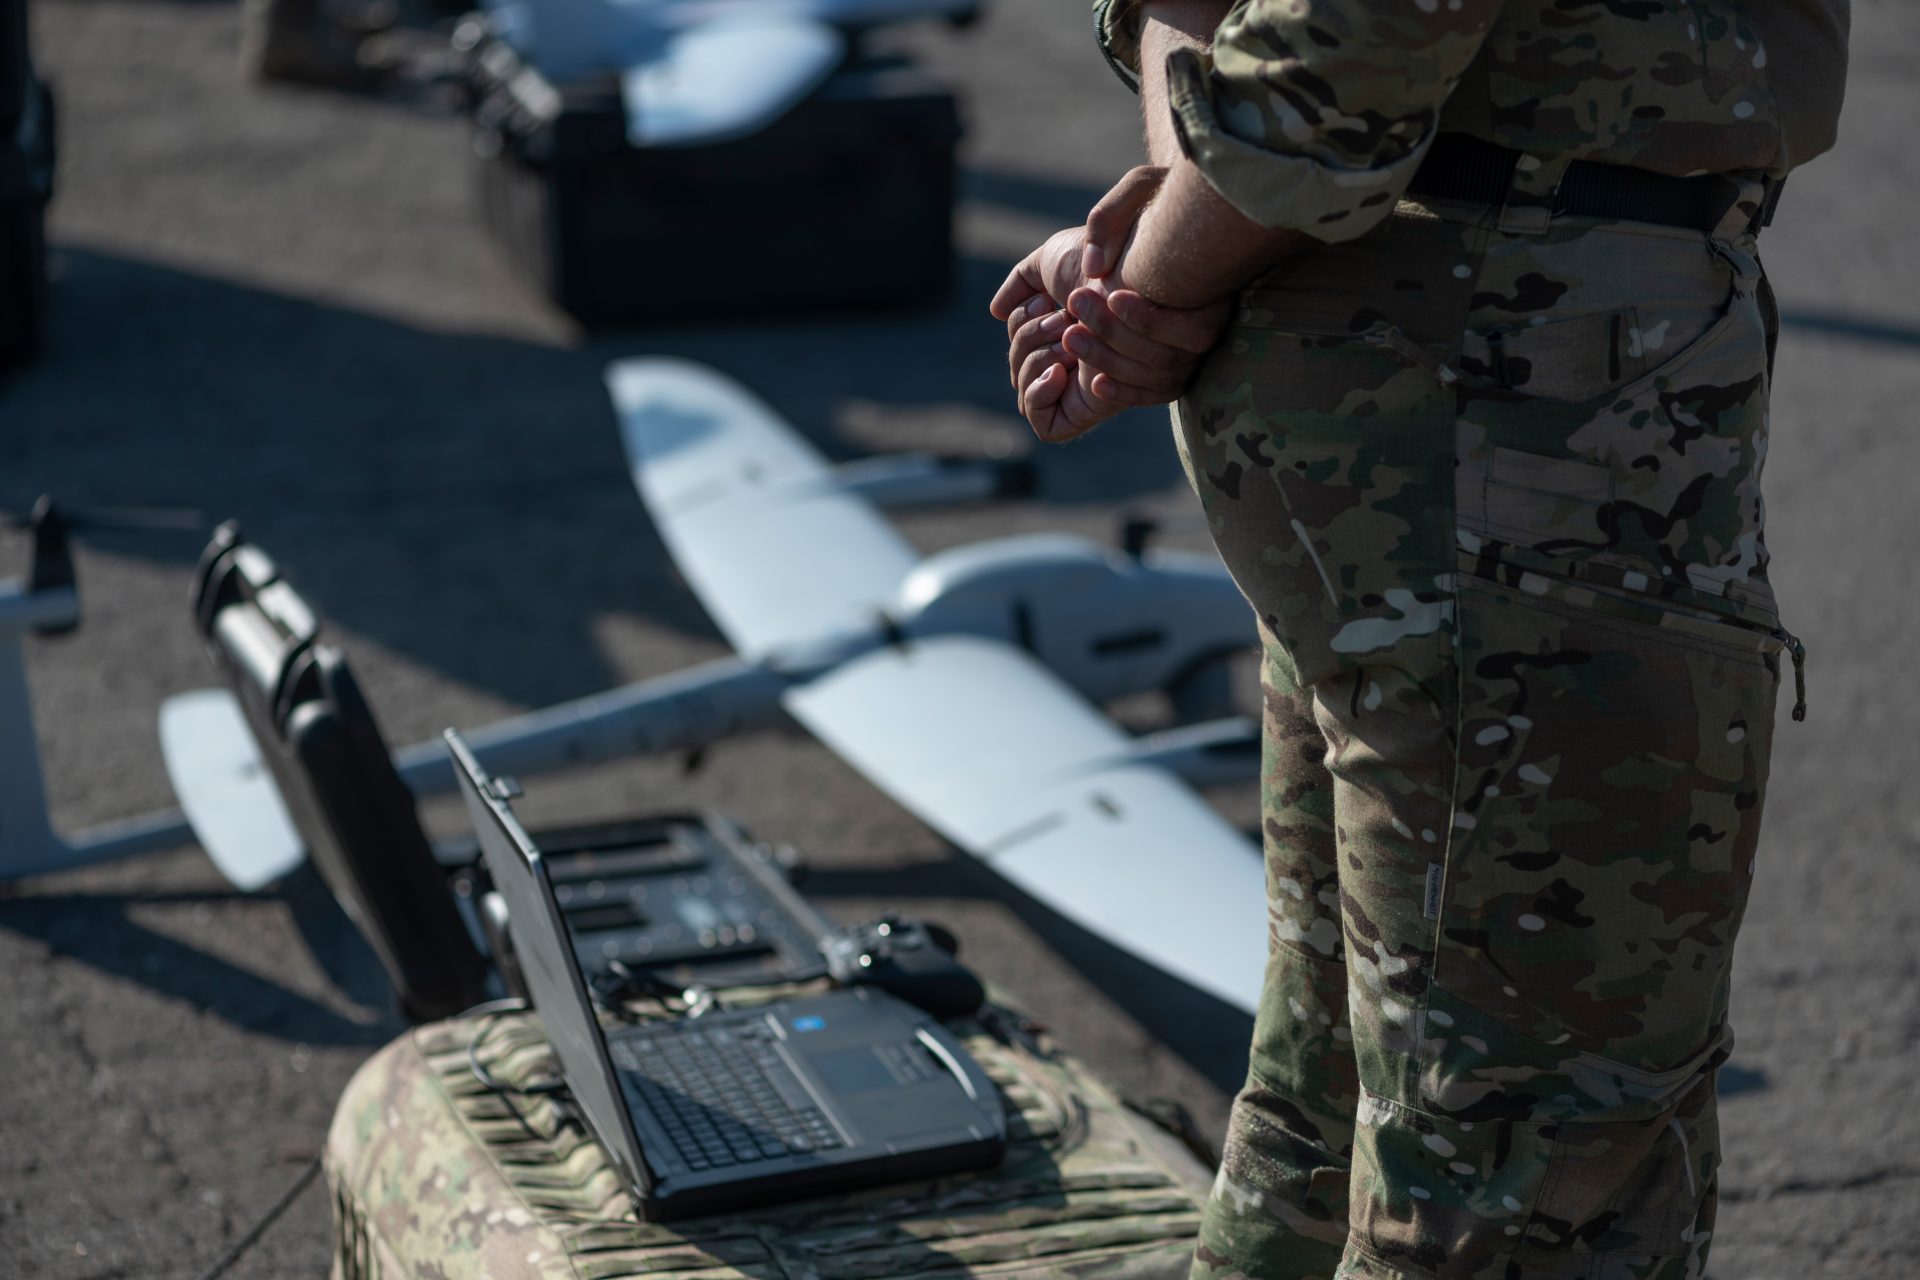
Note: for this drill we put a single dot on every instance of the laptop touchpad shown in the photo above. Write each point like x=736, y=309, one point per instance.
x=865, y=1069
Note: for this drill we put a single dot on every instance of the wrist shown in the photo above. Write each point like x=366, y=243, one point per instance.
x=1160, y=262
x=1194, y=249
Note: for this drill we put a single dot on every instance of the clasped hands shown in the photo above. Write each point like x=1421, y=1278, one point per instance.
x=1082, y=346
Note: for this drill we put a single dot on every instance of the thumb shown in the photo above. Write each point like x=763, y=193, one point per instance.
x=1110, y=222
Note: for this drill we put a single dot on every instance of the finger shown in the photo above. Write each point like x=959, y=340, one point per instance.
x=1105, y=387
x=1110, y=222
x=1093, y=313
x=1039, y=399
x=1080, y=409
x=1033, y=308
x=1036, y=362
x=1083, y=400
x=1020, y=285
x=1082, y=343
x=1078, y=412
x=1039, y=318
x=1194, y=330
x=1036, y=336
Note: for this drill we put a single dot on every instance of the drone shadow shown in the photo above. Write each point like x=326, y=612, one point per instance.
x=459, y=498
x=100, y=931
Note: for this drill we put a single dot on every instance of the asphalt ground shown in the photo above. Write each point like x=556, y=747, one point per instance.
x=278, y=305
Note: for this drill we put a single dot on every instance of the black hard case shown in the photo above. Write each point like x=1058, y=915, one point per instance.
x=846, y=201
x=26, y=185
x=331, y=766
x=15, y=74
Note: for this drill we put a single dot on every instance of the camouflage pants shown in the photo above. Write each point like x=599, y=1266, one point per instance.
x=1494, y=495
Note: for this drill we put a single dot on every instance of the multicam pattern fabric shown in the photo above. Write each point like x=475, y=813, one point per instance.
x=1495, y=499
x=1313, y=114
x=435, y=1177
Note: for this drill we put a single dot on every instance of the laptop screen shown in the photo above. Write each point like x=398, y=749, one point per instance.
x=547, y=962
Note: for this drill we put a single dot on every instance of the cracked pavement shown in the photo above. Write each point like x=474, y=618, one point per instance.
x=278, y=305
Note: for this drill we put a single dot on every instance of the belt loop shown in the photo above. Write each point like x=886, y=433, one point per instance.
x=1749, y=208
x=1771, y=205
x=1528, y=209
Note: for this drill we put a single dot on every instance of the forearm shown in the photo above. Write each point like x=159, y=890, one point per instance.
x=1166, y=25
x=1191, y=247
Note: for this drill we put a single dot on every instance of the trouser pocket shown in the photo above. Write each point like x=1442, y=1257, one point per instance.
x=1608, y=796
x=1652, y=487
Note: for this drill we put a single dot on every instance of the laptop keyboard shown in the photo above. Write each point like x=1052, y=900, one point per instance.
x=723, y=1094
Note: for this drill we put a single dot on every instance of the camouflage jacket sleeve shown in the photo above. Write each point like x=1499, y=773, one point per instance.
x=1313, y=114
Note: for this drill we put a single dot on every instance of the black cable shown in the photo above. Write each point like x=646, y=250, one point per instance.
x=267, y=1219
x=613, y=986
x=618, y=982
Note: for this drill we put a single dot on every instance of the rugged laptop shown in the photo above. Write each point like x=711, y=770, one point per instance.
x=742, y=1107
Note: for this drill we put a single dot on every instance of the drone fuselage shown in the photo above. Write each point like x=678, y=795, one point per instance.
x=1108, y=623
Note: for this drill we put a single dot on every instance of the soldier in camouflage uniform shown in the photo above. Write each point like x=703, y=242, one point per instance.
x=1475, y=375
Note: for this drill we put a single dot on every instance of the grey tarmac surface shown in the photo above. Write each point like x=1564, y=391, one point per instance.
x=277, y=305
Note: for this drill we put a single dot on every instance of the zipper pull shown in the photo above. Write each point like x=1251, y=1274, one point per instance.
x=1799, y=652
x=1394, y=339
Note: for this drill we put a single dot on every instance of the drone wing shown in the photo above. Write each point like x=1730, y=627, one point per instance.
x=726, y=78
x=990, y=749
x=775, y=551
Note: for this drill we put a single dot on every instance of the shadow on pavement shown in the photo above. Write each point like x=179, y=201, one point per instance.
x=1839, y=324
x=458, y=497
x=1736, y=1080
x=100, y=930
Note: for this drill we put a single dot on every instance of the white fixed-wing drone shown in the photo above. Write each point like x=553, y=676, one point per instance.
x=700, y=71
x=964, y=684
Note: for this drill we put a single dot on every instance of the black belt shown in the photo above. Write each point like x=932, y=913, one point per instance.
x=1461, y=167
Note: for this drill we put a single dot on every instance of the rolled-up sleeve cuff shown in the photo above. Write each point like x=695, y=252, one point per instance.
x=1273, y=187
x=1116, y=25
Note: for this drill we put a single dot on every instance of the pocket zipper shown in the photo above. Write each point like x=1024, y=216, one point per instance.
x=1394, y=339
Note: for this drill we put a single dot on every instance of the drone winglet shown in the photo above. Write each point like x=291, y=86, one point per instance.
x=225, y=789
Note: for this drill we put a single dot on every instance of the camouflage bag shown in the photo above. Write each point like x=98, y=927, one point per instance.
x=435, y=1175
